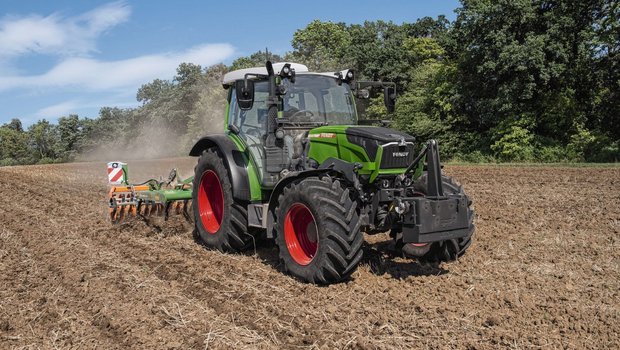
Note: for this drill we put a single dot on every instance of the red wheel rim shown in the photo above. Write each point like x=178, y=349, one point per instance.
x=210, y=201
x=301, y=234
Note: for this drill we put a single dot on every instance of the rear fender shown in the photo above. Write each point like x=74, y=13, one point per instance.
x=233, y=159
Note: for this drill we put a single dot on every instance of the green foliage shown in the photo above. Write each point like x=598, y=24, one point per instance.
x=207, y=115
x=153, y=90
x=473, y=157
x=515, y=143
x=47, y=160
x=256, y=59
x=552, y=154
x=43, y=139
x=14, y=147
x=548, y=60
x=376, y=51
x=423, y=49
x=8, y=162
x=375, y=109
x=586, y=145
x=69, y=133
x=14, y=124
x=322, y=45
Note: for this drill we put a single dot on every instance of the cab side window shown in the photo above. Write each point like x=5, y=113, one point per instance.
x=252, y=123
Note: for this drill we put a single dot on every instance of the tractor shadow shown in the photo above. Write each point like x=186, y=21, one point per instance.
x=266, y=250
x=382, y=258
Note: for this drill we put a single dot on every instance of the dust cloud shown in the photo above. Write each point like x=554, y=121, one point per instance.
x=156, y=138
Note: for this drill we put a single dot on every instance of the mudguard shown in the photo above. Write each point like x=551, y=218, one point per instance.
x=233, y=159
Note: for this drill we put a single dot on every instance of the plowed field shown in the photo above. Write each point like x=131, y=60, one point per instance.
x=543, y=272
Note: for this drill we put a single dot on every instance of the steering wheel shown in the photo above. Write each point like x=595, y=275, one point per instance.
x=300, y=114
x=253, y=131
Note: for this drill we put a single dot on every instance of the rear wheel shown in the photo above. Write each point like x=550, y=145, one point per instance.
x=318, y=230
x=450, y=249
x=221, y=222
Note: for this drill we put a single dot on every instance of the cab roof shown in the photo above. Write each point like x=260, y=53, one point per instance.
x=231, y=77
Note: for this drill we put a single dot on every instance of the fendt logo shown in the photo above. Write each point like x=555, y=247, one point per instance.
x=399, y=154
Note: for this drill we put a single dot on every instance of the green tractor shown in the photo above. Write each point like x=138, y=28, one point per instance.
x=295, y=165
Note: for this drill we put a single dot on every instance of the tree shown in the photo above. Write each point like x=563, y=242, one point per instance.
x=14, y=124
x=187, y=74
x=70, y=132
x=256, y=59
x=377, y=50
x=43, y=138
x=426, y=108
x=606, y=45
x=530, y=59
x=14, y=148
x=321, y=45
x=153, y=90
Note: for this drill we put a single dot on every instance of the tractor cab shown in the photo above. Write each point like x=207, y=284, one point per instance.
x=301, y=103
x=307, y=99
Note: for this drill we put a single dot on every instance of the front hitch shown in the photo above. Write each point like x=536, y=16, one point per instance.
x=435, y=216
x=433, y=168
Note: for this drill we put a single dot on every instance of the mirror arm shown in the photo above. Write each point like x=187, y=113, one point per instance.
x=234, y=129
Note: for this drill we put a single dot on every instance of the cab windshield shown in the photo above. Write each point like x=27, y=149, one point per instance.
x=318, y=99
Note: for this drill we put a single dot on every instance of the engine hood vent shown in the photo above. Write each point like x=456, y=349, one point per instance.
x=383, y=135
x=372, y=137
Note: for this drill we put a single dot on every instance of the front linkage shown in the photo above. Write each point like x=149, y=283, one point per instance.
x=425, y=213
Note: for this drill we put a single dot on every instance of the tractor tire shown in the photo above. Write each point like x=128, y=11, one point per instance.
x=221, y=222
x=451, y=249
x=318, y=230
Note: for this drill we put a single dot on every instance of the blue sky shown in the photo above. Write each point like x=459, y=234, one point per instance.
x=62, y=57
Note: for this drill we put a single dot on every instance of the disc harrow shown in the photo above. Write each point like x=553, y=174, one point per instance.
x=152, y=198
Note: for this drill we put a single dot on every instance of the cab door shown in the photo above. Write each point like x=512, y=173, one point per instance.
x=252, y=123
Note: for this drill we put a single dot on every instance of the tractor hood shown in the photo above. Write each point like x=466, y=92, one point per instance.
x=383, y=135
x=372, y=133
x=362, y=144
x=392, y=141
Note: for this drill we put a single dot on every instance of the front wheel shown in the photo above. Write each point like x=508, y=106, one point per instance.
x=221, y=222
x=318, y=230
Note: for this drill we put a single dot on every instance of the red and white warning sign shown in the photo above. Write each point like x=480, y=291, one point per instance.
x=115, y=172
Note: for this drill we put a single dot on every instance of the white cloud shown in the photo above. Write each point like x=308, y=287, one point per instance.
x=92, y=74
x=85, y=81
x=66, y=108
x=56, y=110
x=58, y=35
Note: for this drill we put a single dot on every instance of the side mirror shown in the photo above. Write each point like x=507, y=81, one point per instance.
x=362, y=94
x=389, y=98
x=245, y=93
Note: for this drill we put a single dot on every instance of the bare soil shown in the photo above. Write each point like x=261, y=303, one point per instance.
x=543, y=272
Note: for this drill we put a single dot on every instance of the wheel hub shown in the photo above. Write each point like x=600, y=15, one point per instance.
x=210, y=201
x=301, y=234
